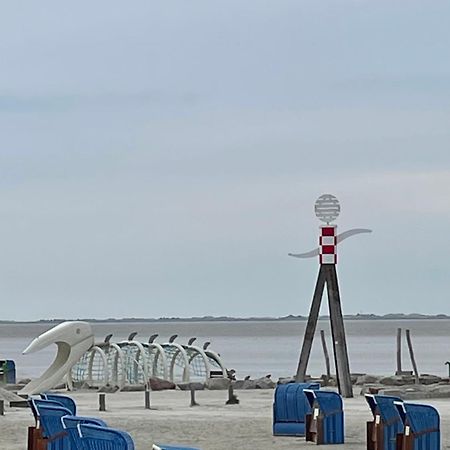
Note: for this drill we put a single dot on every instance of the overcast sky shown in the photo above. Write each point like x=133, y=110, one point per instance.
x=161, y=158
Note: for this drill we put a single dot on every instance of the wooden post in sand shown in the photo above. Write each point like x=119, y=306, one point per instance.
x=102, y=402
x=193, y=402
x=2, y=408
x=147, y=397
x=232, y=399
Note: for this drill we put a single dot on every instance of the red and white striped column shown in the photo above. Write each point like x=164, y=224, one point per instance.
x=328, y=244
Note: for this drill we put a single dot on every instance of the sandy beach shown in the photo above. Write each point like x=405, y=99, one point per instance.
x=210, y=426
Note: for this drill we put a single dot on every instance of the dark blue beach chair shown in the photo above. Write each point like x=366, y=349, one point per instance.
x=386, y=425
x=421, y=427
x=62, y=429
x=94, y=437
x=35, y=402
x=65, y=401
x=49, y=416
x=70, y=424
x=325, y=422
x=290, y=408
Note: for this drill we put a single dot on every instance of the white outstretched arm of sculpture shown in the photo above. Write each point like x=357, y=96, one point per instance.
x=339, y=238
x=73, y=339
x=349, y=233
x=310, y=254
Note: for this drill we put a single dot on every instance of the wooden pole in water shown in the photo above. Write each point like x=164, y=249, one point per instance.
x=325, y=352
x=399, y=351
x=411, y=355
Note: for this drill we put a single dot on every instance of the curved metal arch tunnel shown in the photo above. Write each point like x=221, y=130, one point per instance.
x=131, y=362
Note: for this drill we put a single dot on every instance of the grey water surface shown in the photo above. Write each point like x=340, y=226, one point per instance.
x=257, y=348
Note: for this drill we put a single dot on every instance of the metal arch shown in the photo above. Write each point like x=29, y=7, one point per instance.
x=118, y=355
x=69, y=375
x=141, y=351
x=113, y=373
x=159, y=353
x=93, y=350
x=145, y=364
x=180, y=349
x=112, y=359
x=216, y=357
x=120, y=359
x=204, y=357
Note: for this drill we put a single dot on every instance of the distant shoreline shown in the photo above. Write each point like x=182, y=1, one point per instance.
x=412, y=316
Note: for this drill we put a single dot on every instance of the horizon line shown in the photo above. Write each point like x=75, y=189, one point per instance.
x=289, y=317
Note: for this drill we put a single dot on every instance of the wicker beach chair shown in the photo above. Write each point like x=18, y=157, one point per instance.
x=290, y=408
x=67, y=402
x=422, y=428
x=35, y=402
x=381, y=432
x=70, y=424
x=95, y=437
x=325, y=423
x=53, y=431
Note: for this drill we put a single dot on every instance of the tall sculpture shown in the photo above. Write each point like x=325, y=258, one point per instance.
x=327, y=210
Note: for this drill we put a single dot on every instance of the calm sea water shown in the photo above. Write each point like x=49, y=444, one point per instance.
x=259, y=348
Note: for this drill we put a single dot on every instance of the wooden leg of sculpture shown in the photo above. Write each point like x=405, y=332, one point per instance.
x=311, y=327
x=338, y=333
